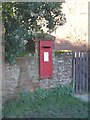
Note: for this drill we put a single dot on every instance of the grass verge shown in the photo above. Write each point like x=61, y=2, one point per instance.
x=53, y=103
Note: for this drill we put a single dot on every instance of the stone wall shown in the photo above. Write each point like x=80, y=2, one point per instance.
x=11, y=79
x=19, y=75
x=63, y=65
x=24, y=75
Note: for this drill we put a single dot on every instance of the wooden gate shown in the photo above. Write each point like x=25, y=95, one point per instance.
x=80, y=72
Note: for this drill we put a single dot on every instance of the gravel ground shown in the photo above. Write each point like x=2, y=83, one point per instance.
x=84, y=97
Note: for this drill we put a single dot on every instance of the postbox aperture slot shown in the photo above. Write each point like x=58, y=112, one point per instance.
x=46, y=46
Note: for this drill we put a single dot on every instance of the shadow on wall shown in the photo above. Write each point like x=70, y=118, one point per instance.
x=62, y=44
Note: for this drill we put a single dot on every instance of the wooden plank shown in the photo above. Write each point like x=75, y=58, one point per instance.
x=86, y=55
x=73, y=70
x=89, y=71
x=77, y=73
x=81, y=73
x=84, y=64
x=85, y=73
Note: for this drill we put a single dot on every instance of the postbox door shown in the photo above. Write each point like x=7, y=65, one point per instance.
x=46, y=60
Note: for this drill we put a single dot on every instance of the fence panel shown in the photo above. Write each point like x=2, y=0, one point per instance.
x=80, y=72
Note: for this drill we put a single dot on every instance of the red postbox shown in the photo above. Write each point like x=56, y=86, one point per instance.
x=45, y=58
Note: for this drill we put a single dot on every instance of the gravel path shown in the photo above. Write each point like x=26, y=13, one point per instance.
x=84, y=97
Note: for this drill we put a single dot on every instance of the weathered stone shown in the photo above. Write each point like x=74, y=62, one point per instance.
x=24, y=75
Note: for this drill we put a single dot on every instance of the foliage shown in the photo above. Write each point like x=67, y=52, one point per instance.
x=14, y=44
x=57, y=52
x=53, y=103
x=64, y=90
x=22, y=20
x=59, y=91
